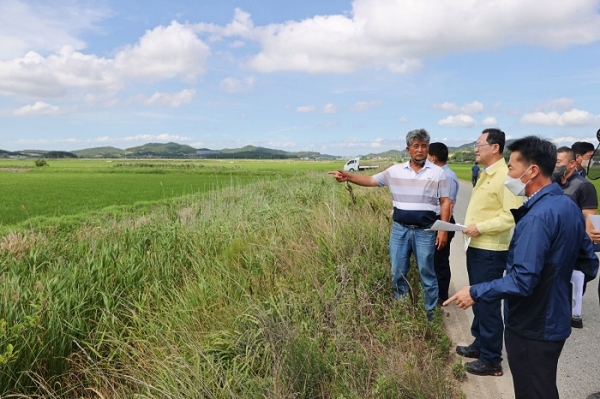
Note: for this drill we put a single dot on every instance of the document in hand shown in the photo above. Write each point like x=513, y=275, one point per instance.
x=445, y=226
x=595, y=219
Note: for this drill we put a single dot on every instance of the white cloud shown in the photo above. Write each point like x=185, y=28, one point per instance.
x=474, y=107
x=574, y=117
x=396, y=34
x=566, y=140
x=329, y=108
x=558, y=105
x=362, y=106
x=44, y=26
x=461, y=120
x=171, y=99
x=237, y=44
x=377, y=143
x=146, y=138
x=163, y=53
x=403, y=119
x=280, y=144
x=234, y=85
x=306, y=108
x=447, y=106
x=39, y=108
x=489, y=121
x=241, y=25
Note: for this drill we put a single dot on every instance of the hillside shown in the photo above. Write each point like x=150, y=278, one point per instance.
x=99, y=152
x=169, y=150
x=463, y=153
x=174, y=150
x=391, y=154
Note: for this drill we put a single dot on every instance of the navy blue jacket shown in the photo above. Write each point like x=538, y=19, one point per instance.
x=548, y=240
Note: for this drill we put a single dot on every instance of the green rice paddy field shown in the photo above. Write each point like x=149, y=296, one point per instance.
x=69, y=187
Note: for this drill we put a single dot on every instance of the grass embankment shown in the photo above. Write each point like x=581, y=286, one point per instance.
x=277, y=289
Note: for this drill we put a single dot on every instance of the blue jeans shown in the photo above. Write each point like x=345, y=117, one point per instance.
x=405, y=241
x=487, y=327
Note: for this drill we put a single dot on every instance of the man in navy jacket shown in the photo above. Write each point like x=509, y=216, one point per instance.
x=549, y=237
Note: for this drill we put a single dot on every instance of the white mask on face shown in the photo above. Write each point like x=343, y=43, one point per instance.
x=515, y=185
x=585, y=163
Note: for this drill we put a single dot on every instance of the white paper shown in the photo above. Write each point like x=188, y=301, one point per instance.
x=595, y=219
x=467, y=240
x=445, y=226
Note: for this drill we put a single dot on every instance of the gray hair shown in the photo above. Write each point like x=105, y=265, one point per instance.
x=417, y=135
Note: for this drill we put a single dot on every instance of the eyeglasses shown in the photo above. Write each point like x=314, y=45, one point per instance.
x=476, y=146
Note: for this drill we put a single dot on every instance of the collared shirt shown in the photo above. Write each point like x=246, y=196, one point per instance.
x=580, y=172
x=543, y=252
x=489, y=209
x=452, y=181
x=580, y=190
x=415, y=194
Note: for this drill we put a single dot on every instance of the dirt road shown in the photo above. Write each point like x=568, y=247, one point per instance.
x=578, y=367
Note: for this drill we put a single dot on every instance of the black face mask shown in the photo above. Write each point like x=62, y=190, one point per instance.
x=559, y=172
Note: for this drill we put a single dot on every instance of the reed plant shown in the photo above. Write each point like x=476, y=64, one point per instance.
x=274, y=289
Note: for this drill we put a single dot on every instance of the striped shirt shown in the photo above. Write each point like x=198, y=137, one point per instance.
x=415, y=194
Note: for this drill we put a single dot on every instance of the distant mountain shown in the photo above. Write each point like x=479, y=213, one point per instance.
x=464, y=147
x=174, y=150
x=462, y=153
x=392, y=154
x=99, y=152
x=170, y=150
x=251, y=148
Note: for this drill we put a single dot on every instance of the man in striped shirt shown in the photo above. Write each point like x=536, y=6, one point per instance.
x=417, y=187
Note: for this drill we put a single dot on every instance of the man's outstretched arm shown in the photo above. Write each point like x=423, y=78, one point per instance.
x=361, y=180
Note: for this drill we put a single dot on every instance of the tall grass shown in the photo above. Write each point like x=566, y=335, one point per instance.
x=278, y=289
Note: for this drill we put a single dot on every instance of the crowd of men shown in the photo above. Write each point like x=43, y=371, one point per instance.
x=530, y=243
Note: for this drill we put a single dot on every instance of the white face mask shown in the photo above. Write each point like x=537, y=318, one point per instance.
x=585, y=163
x=515, y=185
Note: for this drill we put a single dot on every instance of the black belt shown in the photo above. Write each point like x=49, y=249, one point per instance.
x=414, y=226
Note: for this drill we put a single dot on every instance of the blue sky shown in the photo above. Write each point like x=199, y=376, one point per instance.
x=337, y=77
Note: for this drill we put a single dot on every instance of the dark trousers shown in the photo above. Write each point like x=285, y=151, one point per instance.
x=533, y=366
x=487, y=326
x=441, y=264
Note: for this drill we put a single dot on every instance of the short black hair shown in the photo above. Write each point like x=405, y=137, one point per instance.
x=566, y=150
x=582, y=147
x=439, y=150
x=495, y=136
x=535, y=150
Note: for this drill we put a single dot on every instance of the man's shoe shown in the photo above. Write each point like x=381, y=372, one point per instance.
x=467, y=351
x=594, y=396
x=478, y=367
x=576, y=322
